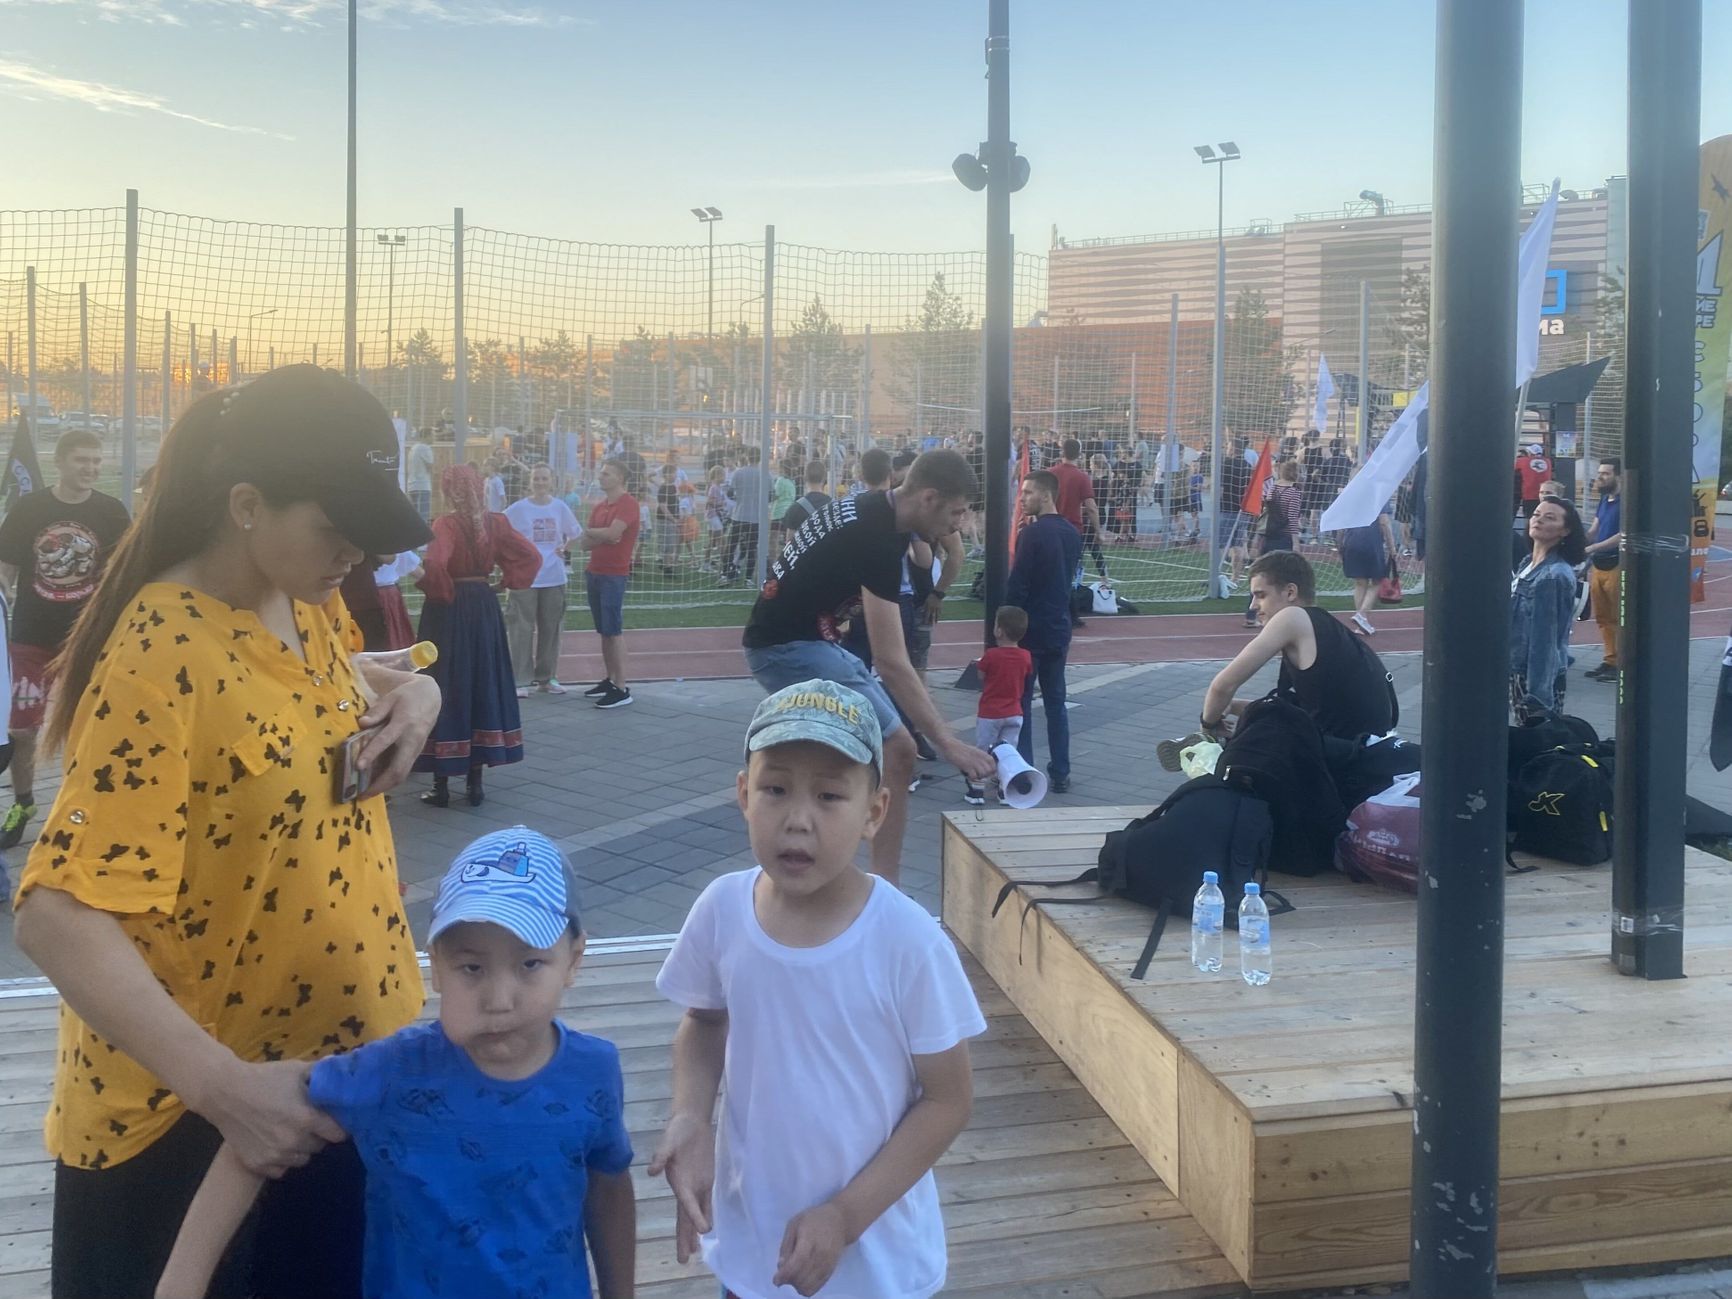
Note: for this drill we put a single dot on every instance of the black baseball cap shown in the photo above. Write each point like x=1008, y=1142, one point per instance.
x=312, y=433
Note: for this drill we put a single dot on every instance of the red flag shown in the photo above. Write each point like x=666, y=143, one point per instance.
x=1252, y=501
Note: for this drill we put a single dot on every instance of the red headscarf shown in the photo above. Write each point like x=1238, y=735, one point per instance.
x=466, y=496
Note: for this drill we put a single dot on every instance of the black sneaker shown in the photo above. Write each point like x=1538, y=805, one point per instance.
x=974, y=796
x=1057, y=784
x=12, y=828
x=614, y=698
x=600, y=690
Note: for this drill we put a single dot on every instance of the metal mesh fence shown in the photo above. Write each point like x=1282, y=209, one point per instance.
x=573, y=351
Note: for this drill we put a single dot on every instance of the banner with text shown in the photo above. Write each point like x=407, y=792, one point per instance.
x=1713, y=342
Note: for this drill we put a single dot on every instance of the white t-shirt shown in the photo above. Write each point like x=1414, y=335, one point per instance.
x=495, y=488
x=547, y=528
x=819, y=1072
x=395, y=570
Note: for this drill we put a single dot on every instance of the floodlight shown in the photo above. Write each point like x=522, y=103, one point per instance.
x=1018, y=173
x=970, y=171
x=1205, y=151
x=1230, y=150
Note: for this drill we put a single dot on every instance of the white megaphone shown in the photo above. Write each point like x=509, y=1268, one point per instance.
x=1023, y=785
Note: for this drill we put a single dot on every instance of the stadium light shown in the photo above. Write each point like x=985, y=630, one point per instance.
x=970, y=170
x=709, y=216
x=1222, y=153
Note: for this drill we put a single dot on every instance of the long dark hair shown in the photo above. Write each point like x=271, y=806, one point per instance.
x=179, y=518
x=1572, y=546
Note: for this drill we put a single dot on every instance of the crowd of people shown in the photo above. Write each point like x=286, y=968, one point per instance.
x=243, y=1102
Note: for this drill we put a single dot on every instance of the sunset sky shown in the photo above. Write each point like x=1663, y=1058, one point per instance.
x=836, y=122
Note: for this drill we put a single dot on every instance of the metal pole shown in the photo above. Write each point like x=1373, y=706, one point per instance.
x=30, y=345
x=919, y=400
x=1364, y=369
x=84, y=348
x=167, y=370
x=234, y=359
x=129, y=363
x=863, y=426
x=1173, y=462
x=460, y=383
x=1653, y=637
x=390, y=312
x=11, y=369
x=1000, y=275
x=349, y=285
x=191, y=363
x=710, y=328
x=768, y=379
x=522, y=393
x=1587, y=428
x=588, y=442
x=1218, y=405
x=1458, y=1029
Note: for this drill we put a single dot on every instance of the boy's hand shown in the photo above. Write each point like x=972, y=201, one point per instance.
x=687, y=1157
x=811, y=1246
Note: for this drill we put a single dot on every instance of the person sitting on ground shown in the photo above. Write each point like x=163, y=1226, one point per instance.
x=493, y=1139
x=1325, y=670
x=1004, y=670
x=831, y=1014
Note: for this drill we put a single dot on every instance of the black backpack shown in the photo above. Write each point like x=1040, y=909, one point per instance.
x=1209, y=823
x=1553, y=731
x=1276, y=753
x=1560, y=805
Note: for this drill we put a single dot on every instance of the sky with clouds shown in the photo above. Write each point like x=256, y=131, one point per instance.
x=835, y=121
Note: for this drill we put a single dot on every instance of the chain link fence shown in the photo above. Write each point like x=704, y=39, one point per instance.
x=574, y=351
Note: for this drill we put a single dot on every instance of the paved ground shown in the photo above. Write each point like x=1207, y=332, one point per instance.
x=643, y=797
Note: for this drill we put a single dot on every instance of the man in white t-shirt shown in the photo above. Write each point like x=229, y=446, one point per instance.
x=838, y=1014
x=536, y=617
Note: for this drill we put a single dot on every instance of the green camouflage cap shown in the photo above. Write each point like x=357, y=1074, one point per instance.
x=823, y=712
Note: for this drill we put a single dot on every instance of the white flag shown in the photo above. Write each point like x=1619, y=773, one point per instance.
x=1531, y=258
x=1373, y=485
x=1371, y=488
x=1325, y=390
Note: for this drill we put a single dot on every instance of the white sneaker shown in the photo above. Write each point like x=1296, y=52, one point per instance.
x=1364, y=624
x=523, y=692
x=552, y=688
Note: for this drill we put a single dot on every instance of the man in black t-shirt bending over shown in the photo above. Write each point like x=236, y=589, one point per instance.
x=845, y=562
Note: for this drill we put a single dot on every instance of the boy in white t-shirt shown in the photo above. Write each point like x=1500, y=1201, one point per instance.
x=839, y=1014
x=536, y=617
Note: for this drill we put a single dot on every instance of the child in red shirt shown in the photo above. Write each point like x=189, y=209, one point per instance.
x=1003, y=672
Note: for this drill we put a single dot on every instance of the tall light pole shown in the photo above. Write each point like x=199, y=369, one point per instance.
x=268, y=311
x=1219, y=155
x=349, y=268
x=391, y=244
x=709, y=216
x=998, y=169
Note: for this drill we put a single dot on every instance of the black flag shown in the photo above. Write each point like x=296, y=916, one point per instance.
x=23, y=473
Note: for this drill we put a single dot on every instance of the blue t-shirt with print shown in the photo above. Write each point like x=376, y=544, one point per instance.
x=476, y=1185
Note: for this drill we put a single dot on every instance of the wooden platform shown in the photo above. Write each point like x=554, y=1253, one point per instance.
x=1043, y=1195
x=1281, y=1115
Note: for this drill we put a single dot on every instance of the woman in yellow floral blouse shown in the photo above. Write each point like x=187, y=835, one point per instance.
x=213, y=916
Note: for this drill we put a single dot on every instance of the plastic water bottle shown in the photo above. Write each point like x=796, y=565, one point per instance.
x=1208, y=917
x=1254, y=936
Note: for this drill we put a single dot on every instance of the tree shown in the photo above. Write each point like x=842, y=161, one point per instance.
x=1409, y=330
x=816, y=358
x=426, y=367
x=1258, y=397
x=935, y=361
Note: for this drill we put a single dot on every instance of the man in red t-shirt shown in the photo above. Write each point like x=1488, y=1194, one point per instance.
x=1533, y=467
x=610, y=539
x=1076, y=490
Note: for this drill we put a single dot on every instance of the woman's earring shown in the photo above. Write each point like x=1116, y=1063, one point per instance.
x=247, y=527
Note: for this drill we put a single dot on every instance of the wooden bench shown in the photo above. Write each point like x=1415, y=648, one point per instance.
x=1281, y=1116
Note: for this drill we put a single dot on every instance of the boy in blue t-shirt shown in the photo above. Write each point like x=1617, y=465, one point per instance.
x=493, y=1139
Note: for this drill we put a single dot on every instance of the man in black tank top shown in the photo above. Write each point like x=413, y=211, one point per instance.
x=1325, y=669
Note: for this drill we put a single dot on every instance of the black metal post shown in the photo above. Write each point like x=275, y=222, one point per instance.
x=1458, y=1012
x=349, y=268
x=1654, y=634
x=999, y=270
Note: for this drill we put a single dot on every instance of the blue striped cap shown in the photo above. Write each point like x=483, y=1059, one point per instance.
x=514, y=878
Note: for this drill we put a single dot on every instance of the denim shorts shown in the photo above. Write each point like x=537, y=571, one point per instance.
x=778, y=666
x=606, y=601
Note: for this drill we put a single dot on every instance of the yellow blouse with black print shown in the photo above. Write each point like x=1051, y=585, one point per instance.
x=199, y=808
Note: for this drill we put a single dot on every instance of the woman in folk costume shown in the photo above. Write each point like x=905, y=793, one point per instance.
x=478, y=723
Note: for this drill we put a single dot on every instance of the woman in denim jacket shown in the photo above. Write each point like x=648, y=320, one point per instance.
x=1542, y=609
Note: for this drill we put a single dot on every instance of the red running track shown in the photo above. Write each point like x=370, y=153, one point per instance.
x=707, y=653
